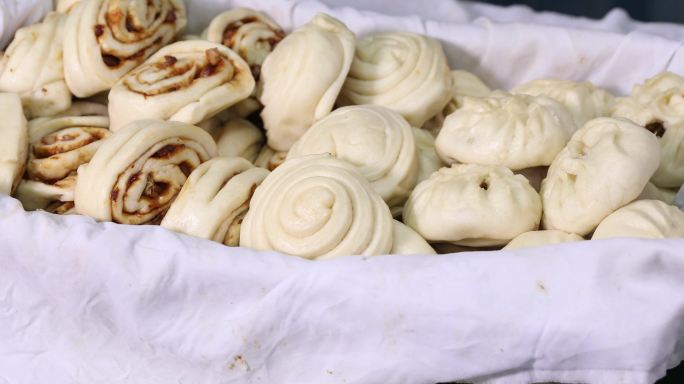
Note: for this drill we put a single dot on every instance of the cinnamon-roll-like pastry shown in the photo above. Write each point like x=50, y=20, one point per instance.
x=269, y=158
x=138, y=171
x=239, y=138
x=105, y=39
x=377, y=141
x=317, y=207
x=215, y=199
x=253, y=35
x=14, y=143
x=402, y=71
x=188, y=81
x=405, y=241
x=32, y=67
x=250, y=33
x=302, y=77
x=57, y=147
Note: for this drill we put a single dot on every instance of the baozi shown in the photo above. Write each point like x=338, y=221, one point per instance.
x=606, y=165
x=651, y=219
x=473, y=205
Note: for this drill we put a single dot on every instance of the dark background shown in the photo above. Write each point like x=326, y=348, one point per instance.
x=644, y=10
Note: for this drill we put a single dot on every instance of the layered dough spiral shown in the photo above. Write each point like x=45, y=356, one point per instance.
x=378, y=142
x=138, y=171
x=58, y=146
x=32, y=67
x=302, y=78
x=583, y=100
x=606, y=164
x=402, y=71
x=14, y=143
x=105, y=39
x=516, y=131
x=650, y=219
x=317, y=207
x=251, y=34
x=188, y=81
x=215, y=199
x=473, y=205
x=658, y=106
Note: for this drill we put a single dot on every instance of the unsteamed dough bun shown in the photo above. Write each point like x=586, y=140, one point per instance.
x=473, y=205
x=317, y=207
x=658, y=106
x=403, y=71
x=583, y=100
x=540, y=238
x=651, y=219
x=377, y=141
x=516, y=131
x=302, y=77
x=606, y=165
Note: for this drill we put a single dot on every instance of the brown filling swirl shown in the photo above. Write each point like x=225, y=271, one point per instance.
x=144, y=191
x=134, y=28
x=57, y=155
x=172, y=73
x=230, y=40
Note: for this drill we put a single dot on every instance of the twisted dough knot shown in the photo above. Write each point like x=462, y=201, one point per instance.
x=317, y=207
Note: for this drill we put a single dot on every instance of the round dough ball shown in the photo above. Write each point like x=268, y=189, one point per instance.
x=516, y=131
x=534, y=239
x=405, y=241
x=138, y=171
x=650, y=219
x=302, y=77
x=606, y=165
x=377, y=141
x=473, y=205
x=188, y=81
x=215, y=199
x=583, y=100
x=403, y=71
x=317, y=207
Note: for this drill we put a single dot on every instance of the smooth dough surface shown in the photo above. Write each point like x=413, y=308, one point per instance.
x=605, y=165
x=14, y=143
x=405, y=241
x=652, y=219
x=516, y=131
x=540, y=238
x=473, y=205
x=302, y=77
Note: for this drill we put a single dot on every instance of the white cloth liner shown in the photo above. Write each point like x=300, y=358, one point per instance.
x=82, y=302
